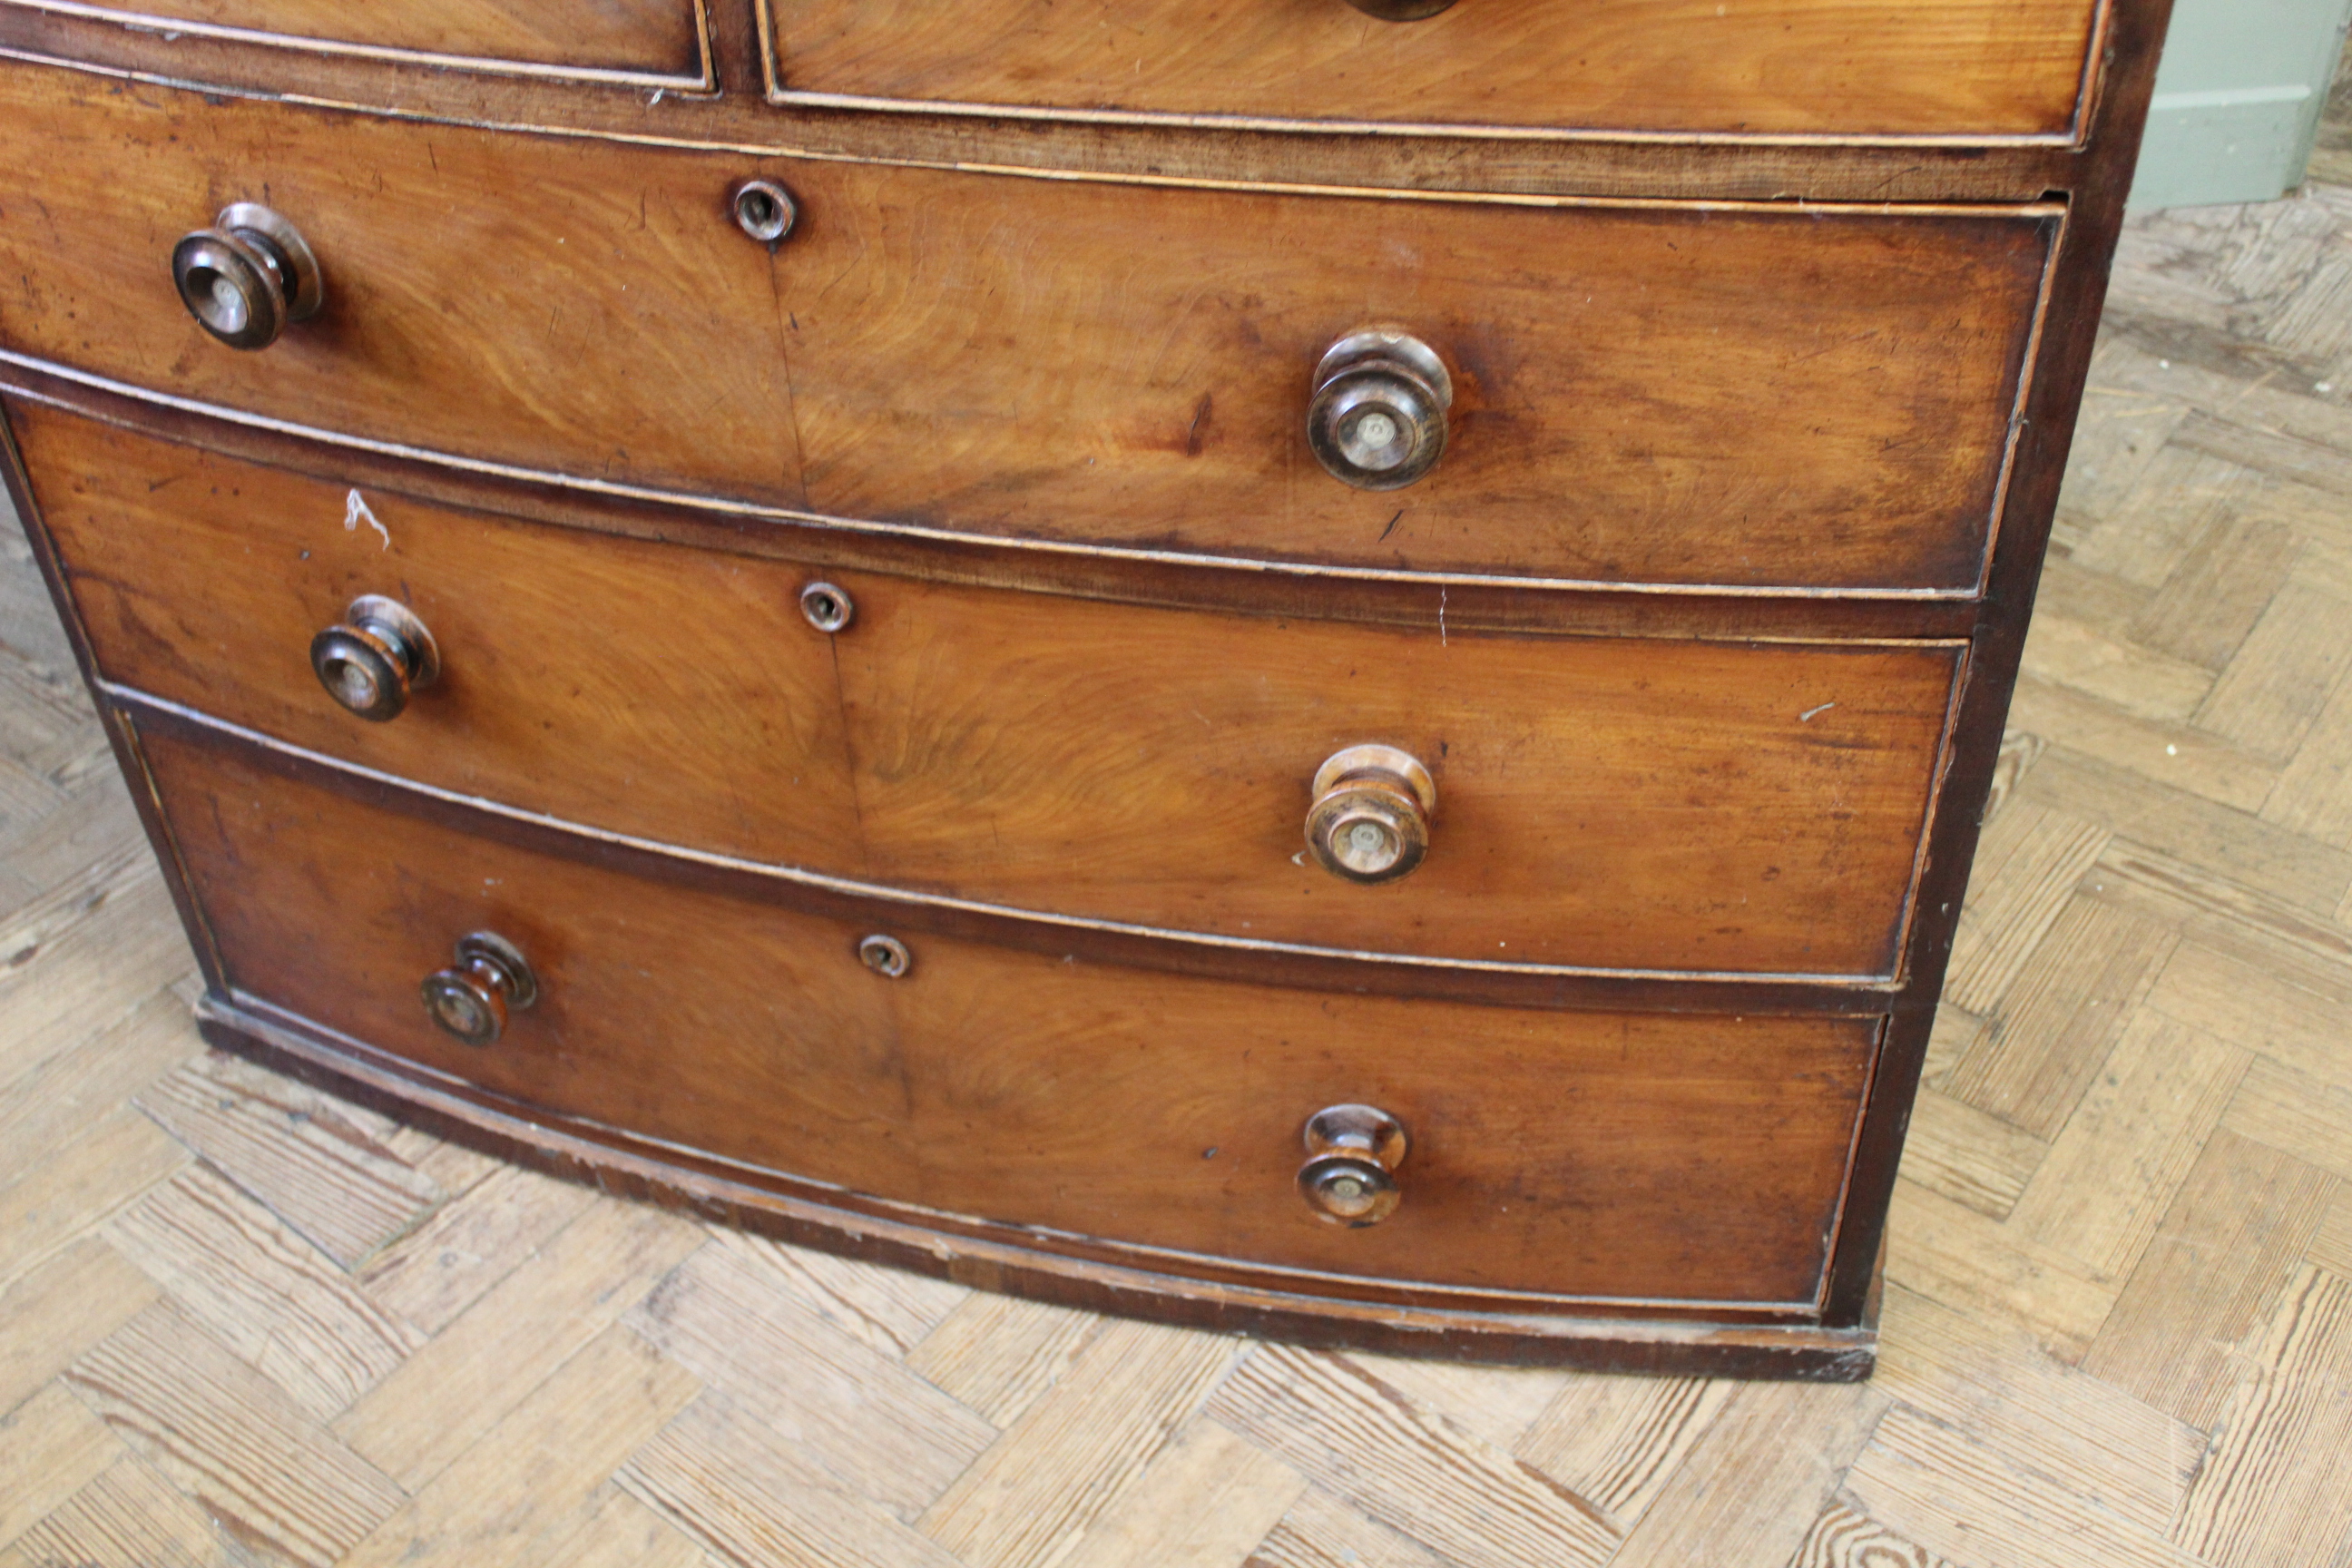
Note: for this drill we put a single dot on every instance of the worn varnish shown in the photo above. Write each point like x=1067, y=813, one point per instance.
x=1605, y=802
x=1749, y=433
x=1847, y=67
x=2035, y=1400
x=1582, y=1154
x=652, y=38
x=961, y=352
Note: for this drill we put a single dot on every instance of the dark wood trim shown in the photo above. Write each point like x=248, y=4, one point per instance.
x=1174, y=953
x=1275, y=589
x=1624, y=1344
x=738, y=117
x=2134, y=43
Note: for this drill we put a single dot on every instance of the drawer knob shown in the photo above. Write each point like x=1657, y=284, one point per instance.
x=469, y=999
x=1400, y=10
x=247, y=276
x=1377, y=417
x=1352, y=1154
x=372, y=658
x=1369, y=822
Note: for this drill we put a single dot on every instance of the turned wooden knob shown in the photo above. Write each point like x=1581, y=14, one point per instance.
x=1369, y=822
x=1377, y=420
x=247, y=276
x=469, y=999
x=1352, y=1154
x=370, y=659
x=1400, y=10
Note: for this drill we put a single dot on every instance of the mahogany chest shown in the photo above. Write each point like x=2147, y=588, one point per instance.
x=1320, y=667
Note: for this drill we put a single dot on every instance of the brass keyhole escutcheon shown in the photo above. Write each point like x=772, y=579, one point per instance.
x=468, y=1001
x=1352, y=1154
x=765, y=210
x=827, y=608
x=1369, y=819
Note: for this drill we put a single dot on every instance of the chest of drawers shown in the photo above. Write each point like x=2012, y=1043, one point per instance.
x=1312, y=667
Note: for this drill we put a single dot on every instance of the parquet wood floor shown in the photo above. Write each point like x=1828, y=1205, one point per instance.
x=241, y=1322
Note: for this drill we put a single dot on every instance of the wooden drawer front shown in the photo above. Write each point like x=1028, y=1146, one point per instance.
x=1612, y=1156
x=1849, y=68
x=654, y=40
x=1759, y=396
x=1610, y=803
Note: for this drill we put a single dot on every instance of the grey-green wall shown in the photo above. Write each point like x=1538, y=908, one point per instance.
x=2237, y=99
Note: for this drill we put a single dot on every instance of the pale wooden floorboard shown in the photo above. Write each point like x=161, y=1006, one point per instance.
x=243, y=1324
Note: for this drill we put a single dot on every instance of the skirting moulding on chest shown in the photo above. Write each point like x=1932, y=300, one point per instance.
x=1323, y=667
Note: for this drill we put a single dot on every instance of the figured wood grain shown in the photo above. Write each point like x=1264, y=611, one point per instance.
x=331, y=1180
x=2269, y=1492
x=283, y=1305
x=1965, y=1501
x=446, y=1264
x=999, y=1354
x=1205, y=1501
x=855, y=1413
x=128, y=1513
x=441, y=1400
x=2061, y=1016
x=1978, y=1512
x=1615, y=1441
x=1602, y=801
x=2131, y=1458
x=730, y=1482
x=640, y=37
x=1817, y=66
x=1704, y=1157
x=1080, y=1450
x=721, y=679
x=51, y=1444
x=533, y=1480
x=1750, y=1488
x=1329, y=1418
x=2182, y=1331
x=960, y=352
x=1319, y=1531
x=1843, y=1538
x=60, y=1310
x=888, y=1312
x=105, y=1170
x=233, y=1440
x=44, y=1109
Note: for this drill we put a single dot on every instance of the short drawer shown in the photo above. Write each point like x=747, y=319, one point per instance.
x=1601, y=803
x=1605, y=1157
x=1761, y=396
x=1849, y=68
x=648, y=40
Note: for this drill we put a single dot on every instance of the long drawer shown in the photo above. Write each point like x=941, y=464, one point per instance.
x=1597, y=1156
x=1766, y=395
x=1601, y=803
x=1853, y=67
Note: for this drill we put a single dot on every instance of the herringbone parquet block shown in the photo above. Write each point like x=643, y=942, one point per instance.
x=243, y=1323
